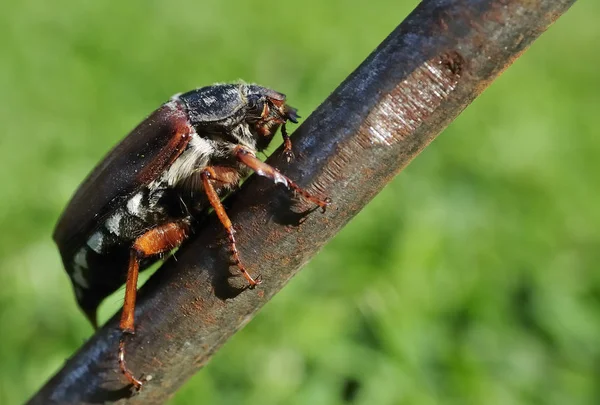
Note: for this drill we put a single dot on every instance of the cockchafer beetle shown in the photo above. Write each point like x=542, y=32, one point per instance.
x=139, y=201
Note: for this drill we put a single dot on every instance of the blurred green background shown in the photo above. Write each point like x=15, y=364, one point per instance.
x=472, y=278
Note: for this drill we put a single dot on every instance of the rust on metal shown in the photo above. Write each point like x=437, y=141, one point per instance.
x=401, y=97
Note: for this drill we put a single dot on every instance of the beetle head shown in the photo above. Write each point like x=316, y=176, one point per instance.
x=267, y=110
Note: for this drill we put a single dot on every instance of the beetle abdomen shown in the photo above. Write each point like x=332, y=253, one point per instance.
x=98, y=267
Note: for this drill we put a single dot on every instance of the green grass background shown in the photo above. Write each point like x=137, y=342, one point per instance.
x=471, y=279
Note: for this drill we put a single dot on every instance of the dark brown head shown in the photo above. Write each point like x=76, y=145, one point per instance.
x=267, y=111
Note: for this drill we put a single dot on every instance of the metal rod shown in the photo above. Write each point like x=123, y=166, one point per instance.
x=407, y=91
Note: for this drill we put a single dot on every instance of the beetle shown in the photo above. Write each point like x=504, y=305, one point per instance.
x=140, y=200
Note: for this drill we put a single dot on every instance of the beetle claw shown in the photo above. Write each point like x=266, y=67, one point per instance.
x=137, y=384
x=289, y=155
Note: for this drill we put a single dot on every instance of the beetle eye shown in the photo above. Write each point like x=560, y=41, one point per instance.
x=255, y=106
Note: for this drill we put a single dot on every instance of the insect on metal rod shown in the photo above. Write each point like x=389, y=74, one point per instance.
x=140, y=201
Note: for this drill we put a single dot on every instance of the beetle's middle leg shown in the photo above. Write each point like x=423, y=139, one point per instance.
x=208, y=175
x=157, y=240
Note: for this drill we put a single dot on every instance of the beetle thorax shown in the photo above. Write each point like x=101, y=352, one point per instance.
x=205, y=151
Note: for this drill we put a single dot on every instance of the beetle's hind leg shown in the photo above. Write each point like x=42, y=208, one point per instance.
x=157, y=240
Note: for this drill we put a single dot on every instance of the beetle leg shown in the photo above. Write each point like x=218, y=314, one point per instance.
x=287, y=144
x=263, y=169
x=208, y=174
x=157, y=240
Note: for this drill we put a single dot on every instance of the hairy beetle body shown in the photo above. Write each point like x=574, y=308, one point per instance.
x=145, y=180
x=140, y=201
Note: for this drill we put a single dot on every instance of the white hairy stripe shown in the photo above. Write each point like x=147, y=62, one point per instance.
x=134, y=203
x=95, y=242
x=196, y=155
x=112, y=223
x=78, y=278
x=80, y=259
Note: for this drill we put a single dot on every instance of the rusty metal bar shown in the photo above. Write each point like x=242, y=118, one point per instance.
x=406, y=92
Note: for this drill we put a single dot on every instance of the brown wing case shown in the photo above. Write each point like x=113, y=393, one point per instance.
x=133, y=163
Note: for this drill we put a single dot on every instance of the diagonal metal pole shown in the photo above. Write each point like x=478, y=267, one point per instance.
x=399, y=99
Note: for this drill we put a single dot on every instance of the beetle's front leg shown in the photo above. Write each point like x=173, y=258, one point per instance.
x=263, y=169
x=157, y=240
x=287, y=144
